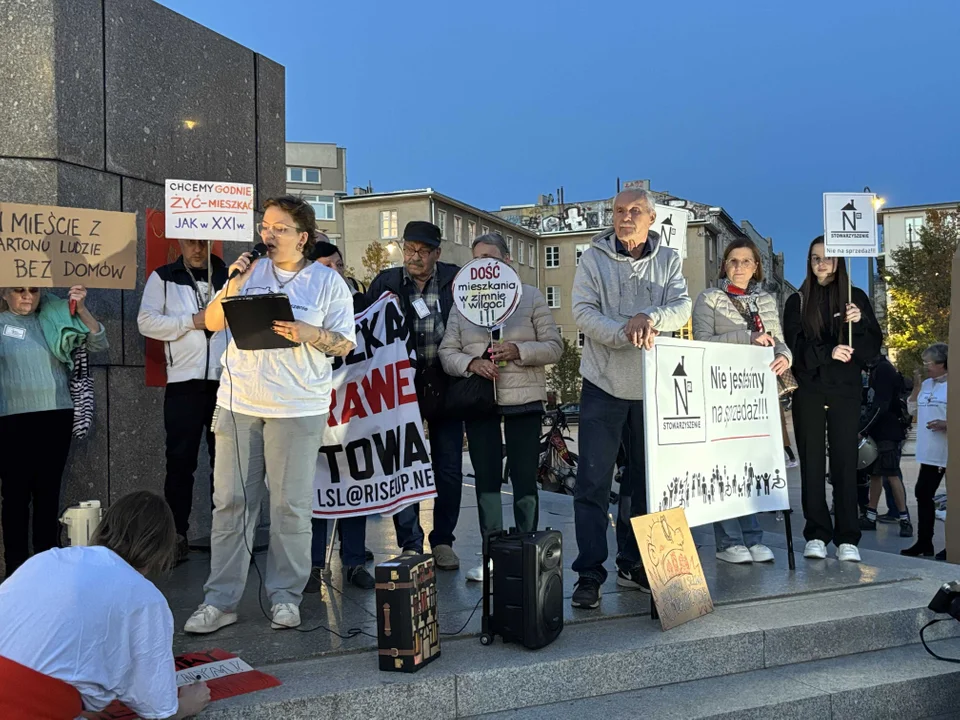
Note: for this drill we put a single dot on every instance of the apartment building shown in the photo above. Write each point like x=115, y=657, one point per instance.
x=317, y=172
x=380, y=218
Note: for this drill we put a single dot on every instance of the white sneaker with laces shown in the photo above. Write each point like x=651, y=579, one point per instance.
x=476, y=574
x=208, y=619
x=848, y=553
x=285, y=615
x=736, y=554
x=761, y=553
x=815, y=550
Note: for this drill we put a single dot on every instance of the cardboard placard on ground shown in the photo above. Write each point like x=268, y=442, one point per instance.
x=47, y=246
x=849, y=225
x=712, y=428
x=673, y=567
x=198, y=210
x=486, y=291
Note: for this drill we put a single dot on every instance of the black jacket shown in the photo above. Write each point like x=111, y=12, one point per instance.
x=886, y=385
x=392, y=280
x=813, y=366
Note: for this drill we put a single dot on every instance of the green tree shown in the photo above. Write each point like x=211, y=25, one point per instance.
x=918, y=282
x=375, y=259
x=564, y=376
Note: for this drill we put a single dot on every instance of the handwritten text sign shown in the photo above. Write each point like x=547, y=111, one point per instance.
x=487, y=291
x=673, y=567
x=44, y=246
x=198, y=210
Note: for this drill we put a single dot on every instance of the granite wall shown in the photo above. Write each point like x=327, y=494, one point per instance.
x=93, y=103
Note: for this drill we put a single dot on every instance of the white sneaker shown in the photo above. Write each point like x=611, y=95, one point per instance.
x=476, y=574
x=793, y=463
x=815, y=550
x=736, y=554
x=208, y=619
x=761, y=553
x=285, y=615
x=848, y=553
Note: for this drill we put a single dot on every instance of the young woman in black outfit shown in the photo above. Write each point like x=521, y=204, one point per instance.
x=827, y=364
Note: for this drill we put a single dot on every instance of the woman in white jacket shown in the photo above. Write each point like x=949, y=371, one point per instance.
x=529, y=340
x=739, y=311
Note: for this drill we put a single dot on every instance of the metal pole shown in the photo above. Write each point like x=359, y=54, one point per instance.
x=333, y=538
x=791, y=560
x=209, y=273
x=850, y=301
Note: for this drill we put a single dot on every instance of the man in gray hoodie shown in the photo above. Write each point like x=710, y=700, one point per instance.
x=628, y=289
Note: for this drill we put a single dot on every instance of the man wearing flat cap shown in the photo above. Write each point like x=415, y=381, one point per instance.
x=424, y=288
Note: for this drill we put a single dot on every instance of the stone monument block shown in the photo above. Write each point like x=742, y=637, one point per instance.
x=271, y=130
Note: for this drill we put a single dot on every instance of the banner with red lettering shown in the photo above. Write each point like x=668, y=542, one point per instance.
x=374, y=457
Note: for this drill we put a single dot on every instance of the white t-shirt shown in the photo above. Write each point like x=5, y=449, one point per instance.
x=84, y=616
x=288, y=382
x=931, y=405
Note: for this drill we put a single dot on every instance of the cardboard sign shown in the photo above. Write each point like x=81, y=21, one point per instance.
x=209, y=210
x=487, y=291
x=673, y=567
x=374, y=455
x=712, y=428
x=850, y=225
x=44, y=246
x=671, y=224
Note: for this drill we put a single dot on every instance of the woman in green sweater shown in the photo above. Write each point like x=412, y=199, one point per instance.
x=36, y=412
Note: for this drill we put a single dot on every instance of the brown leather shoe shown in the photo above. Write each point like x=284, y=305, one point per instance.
x=445, y=558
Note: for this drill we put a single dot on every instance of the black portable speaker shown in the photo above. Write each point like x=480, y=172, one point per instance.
x=527, y=588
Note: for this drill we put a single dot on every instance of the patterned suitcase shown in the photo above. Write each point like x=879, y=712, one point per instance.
x=407, y=625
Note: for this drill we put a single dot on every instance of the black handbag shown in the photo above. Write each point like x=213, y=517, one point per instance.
x=431, y=385
x=470, y=397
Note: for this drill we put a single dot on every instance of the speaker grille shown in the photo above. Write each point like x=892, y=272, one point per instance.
x=551, y=601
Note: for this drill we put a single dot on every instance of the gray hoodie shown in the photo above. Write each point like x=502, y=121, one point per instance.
x=608, y=290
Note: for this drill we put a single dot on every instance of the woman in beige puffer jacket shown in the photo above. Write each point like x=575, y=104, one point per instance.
x=742, y=313
x=529, y=340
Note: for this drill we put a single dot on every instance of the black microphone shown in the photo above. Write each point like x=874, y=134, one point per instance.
x=259, y=250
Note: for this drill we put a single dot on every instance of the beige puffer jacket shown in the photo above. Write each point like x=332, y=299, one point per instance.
x=715, y=319
x=531, y=328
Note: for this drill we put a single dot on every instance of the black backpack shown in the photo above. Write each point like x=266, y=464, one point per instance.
x=899, y=403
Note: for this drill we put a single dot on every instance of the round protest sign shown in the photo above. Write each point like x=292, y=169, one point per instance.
x=487, y=291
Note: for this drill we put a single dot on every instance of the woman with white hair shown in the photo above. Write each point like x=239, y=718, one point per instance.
x=929, y=403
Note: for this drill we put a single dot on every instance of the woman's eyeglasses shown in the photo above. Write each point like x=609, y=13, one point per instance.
x=278, y=230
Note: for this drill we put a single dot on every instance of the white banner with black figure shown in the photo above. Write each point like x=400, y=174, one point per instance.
x=712, y=429
x=374, y=456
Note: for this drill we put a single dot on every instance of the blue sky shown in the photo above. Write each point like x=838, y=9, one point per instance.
x=754, y=105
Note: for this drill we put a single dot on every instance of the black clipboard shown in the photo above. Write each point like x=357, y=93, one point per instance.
x=251, y=318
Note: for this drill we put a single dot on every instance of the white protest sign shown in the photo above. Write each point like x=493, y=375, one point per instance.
x=849, y=225
x=487, y=291
x=671, y=224
x=211, y=671
x=712, y=428
x=196, y=210
x=374, y=456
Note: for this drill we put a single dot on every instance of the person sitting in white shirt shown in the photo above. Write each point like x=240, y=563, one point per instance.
x=89, y=617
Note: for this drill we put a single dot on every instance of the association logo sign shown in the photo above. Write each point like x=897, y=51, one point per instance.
x=681, y=405
x=849, y=225
x=486, y=291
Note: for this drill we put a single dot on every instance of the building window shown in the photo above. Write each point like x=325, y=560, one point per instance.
x=553, y=296
x=686, y=332
x=911, y=229
x=442, y=222
x=471, y=231
x=510, y=245
x=323, y=206
x=551, y=256
x=303, y=175
x=458, y=229
x=580, y=250
x=520, y=253
x=532, y=254
x=711, y=248
x=486, y=230
x=580, y=339
x=389, y=230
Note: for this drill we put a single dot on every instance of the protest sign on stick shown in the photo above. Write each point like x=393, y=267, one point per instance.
x=374, y=456
x=44, y=246
x=671, y=225
x=199, y=210
x=712, y=429
x=486, y=291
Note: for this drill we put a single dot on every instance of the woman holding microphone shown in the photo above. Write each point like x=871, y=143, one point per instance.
x=827, y=360
x=271, y=409
x=739, y=311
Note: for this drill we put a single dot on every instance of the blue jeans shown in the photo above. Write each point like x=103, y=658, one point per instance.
x=446, y=454
x=605, y=421
x=743, y=530
x=353, y=537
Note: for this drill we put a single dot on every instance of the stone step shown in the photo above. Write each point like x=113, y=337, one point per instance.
x=599, y=658
x=902, y=683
